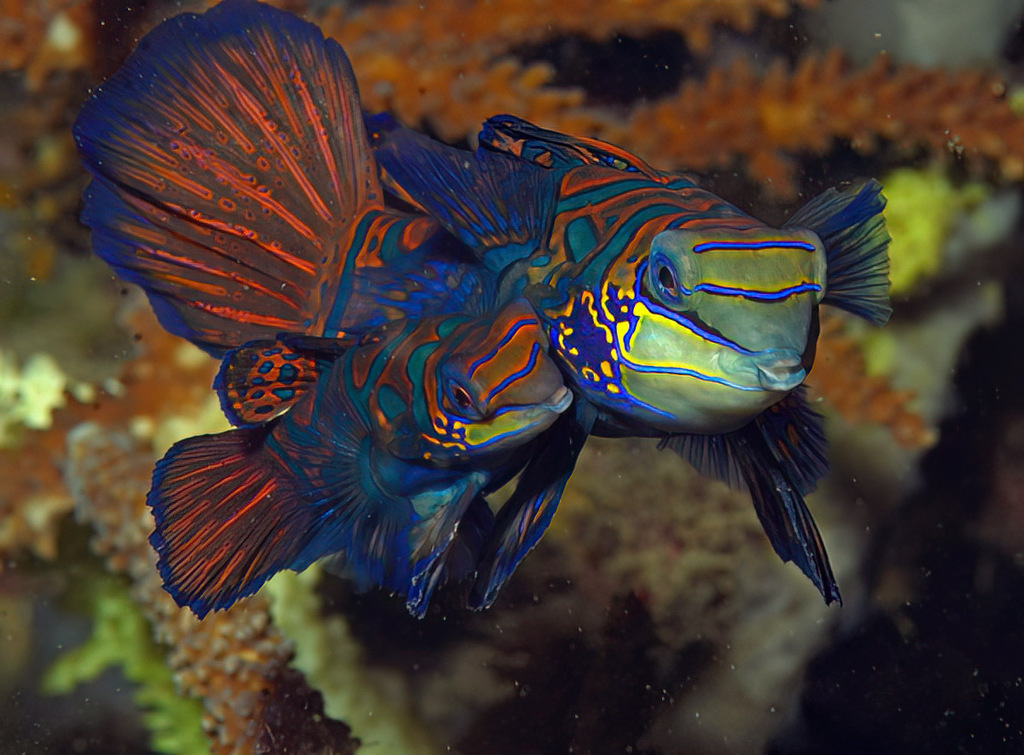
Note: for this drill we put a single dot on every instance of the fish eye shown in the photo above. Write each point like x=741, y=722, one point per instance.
x=667, y=281
x=460, y=400
x=461, y=396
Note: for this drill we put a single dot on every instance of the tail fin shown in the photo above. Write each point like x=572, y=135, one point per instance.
x=230, y=166
x=852, y=228
x=226, y=519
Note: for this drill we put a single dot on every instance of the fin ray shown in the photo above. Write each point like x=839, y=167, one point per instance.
x=851, y=225
x=230, y=163
x=525, y=517
x=226, y=520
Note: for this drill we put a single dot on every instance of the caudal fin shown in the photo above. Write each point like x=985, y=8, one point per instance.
x=852, y=228
x=230, y=166
x=227, y=519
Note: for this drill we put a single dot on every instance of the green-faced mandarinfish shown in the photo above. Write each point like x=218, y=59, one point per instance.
x=235, y=180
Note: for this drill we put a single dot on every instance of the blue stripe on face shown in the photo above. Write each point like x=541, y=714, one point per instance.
x=725, y=246
x=530, y=365
x=782, y=293
x=686, y=371
x=523, y=323
x=679, y=319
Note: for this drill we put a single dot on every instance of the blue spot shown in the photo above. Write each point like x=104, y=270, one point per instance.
x=265, y=409
x=265, y=367
x=285, y=394
x=288, y=374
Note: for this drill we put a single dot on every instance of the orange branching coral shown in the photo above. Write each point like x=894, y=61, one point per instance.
x=840, y=376
x=767, y=118
x=499, y=24
x=450, y=64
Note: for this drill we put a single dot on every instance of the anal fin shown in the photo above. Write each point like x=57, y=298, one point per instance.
x=226, y=519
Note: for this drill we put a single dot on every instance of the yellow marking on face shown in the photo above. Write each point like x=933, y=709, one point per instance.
x=606, y=368
x=587, y=299
x=612, y=388
x=589, y=374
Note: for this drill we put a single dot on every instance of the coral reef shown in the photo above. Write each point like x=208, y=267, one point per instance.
x=655, y=601
x=450, y=65
x=39, y=37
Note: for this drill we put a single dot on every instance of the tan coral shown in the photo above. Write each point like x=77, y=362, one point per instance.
x=840, y=376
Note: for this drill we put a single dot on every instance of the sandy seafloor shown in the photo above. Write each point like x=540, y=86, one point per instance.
x=653, y=617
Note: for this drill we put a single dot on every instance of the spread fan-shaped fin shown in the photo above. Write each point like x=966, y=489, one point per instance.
x=230, y=166
x=227, y=519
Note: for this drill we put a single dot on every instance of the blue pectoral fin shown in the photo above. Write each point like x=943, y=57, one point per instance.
x=499, y=206
x=794, y=434
x=433, y=537
x=778, y=457
x=226, y=519
x=526, y=515
x=852, y=228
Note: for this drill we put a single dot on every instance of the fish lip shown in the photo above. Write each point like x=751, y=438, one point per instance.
x=781, y=372
x=558, y=401
x=534, y=419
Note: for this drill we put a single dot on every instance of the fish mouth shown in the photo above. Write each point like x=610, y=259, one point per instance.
x=514, y=426
x=780, y=371
x=558, y=401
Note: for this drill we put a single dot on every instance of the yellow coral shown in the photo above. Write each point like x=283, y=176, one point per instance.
x=923, y=208
x=29, y=394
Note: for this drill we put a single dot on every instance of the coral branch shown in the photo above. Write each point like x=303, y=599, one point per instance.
x=840, y=376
